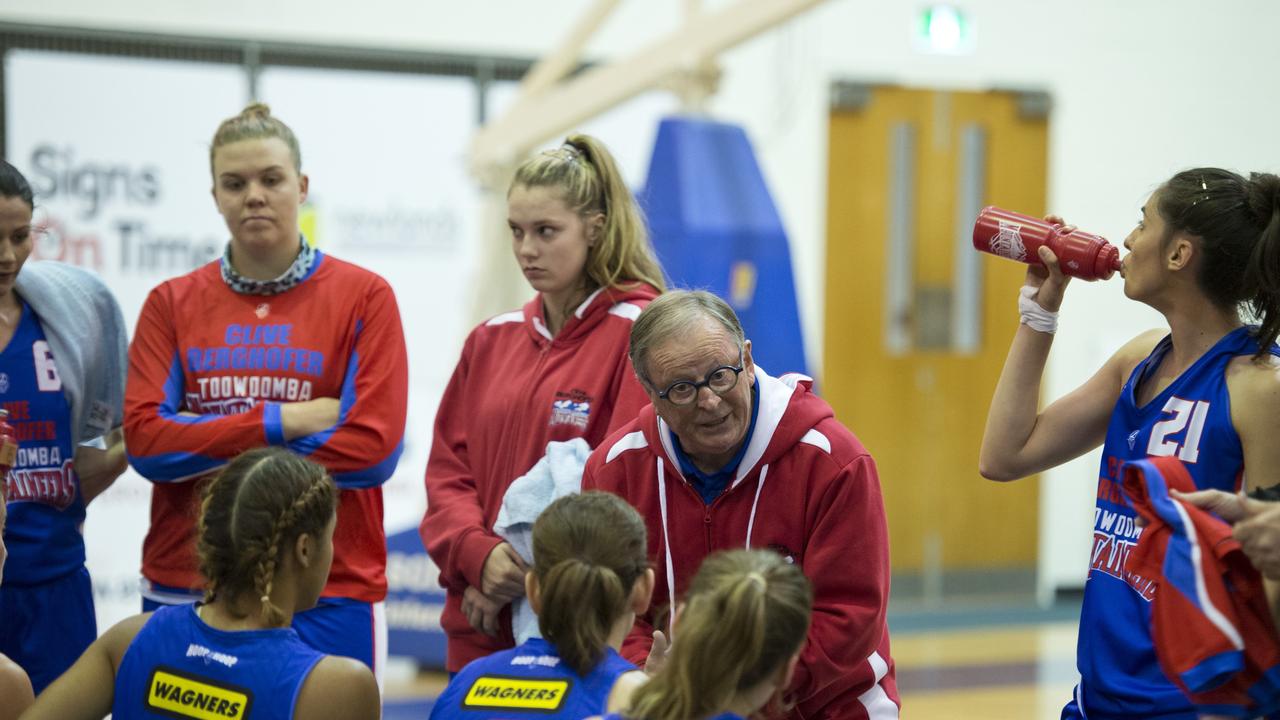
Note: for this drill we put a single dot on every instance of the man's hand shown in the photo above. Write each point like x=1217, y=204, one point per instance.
x=1259, y=535
x=481, y=611
x=657, y=654
x=1255, y=523
x=502, y=578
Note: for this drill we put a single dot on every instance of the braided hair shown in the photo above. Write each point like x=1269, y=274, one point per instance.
x=251, y=513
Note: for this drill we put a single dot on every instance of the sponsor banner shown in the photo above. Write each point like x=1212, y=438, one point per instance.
x=119, y=161
x=415, y=600
x=117, y=152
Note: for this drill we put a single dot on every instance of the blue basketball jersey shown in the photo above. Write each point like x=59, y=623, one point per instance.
x=46, y=510
x=1190, y=419
x=529, y=680
x=179, y=667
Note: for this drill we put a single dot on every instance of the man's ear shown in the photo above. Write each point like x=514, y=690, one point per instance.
x=642, y=592
x=304, y=183
x=789, y=671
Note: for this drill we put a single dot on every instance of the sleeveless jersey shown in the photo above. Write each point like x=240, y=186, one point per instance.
x=1190, y=420
x=529, y=680
x=179, y=667
x=46, y=510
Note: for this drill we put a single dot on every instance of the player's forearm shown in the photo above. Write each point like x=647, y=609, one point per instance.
x=1014, y=405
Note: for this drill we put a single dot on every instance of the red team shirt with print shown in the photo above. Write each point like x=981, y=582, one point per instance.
x=208, y=371
x=514, y=390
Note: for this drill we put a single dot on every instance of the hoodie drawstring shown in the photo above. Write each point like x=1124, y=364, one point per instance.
x=666, y=546
x=666, y=536
x=751, y=521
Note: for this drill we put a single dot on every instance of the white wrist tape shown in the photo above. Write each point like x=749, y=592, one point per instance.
x=1034, y=316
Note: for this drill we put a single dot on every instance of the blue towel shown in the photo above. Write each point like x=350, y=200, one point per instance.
x=557, y=474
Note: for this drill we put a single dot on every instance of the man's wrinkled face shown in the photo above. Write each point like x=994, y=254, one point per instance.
x=713, y=426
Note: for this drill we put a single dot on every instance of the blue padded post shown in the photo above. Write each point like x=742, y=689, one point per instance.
x=715, y=227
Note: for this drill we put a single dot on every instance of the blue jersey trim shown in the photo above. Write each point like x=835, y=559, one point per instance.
x=315, y=265
x=172, y=467
x=308, y=444
x=1213, y=671
x=372, y=476
x=272, y=423
x=1266, y=692
x=172, y=405
x=168, y=467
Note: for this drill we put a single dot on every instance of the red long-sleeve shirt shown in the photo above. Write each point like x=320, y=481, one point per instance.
x=208, y=371
x=515, y=389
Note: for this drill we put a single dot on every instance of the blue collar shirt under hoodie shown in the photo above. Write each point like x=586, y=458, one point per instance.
x=177, y=666
x=529, y=680
x=1190, y=419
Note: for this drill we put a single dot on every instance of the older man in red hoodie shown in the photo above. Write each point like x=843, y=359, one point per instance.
x=729, y=457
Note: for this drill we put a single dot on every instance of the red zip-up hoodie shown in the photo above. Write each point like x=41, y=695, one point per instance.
x=807, y=489
x=515, y=389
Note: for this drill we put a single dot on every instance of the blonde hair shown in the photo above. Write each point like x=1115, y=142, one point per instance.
x=255, y=122
x=745, y=616
x=589, y=179
x=588, y=552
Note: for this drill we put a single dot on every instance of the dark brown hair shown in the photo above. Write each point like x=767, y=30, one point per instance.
x=588, y=552
x=255, y=122
x=745, y=615
x=14, y=184
x=1237, y=224
x=252, y=513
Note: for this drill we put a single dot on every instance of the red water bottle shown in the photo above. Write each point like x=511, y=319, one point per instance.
x=1019, y=237
x=8, y=445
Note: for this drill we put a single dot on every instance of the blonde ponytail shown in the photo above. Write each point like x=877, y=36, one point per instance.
x=746, y=613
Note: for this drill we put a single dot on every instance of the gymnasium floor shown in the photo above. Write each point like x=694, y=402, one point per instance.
x=993, y=661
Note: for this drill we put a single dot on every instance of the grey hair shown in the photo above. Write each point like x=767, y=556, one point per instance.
x=675, y=313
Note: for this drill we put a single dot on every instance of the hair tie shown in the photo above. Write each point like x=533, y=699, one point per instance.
x=755, y=577
x=569, y=152
x=266, y=599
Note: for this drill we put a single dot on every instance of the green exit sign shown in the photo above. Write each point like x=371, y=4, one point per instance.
x=944, y=30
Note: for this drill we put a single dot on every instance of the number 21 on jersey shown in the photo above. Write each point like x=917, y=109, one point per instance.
x=1188, y=415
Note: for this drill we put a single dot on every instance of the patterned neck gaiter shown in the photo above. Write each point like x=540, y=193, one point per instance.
x=245, y=286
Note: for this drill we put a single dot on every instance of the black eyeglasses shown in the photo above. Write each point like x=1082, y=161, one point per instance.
x=720, y=381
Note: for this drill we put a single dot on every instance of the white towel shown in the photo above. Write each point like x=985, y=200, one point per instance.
x=556, y=474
